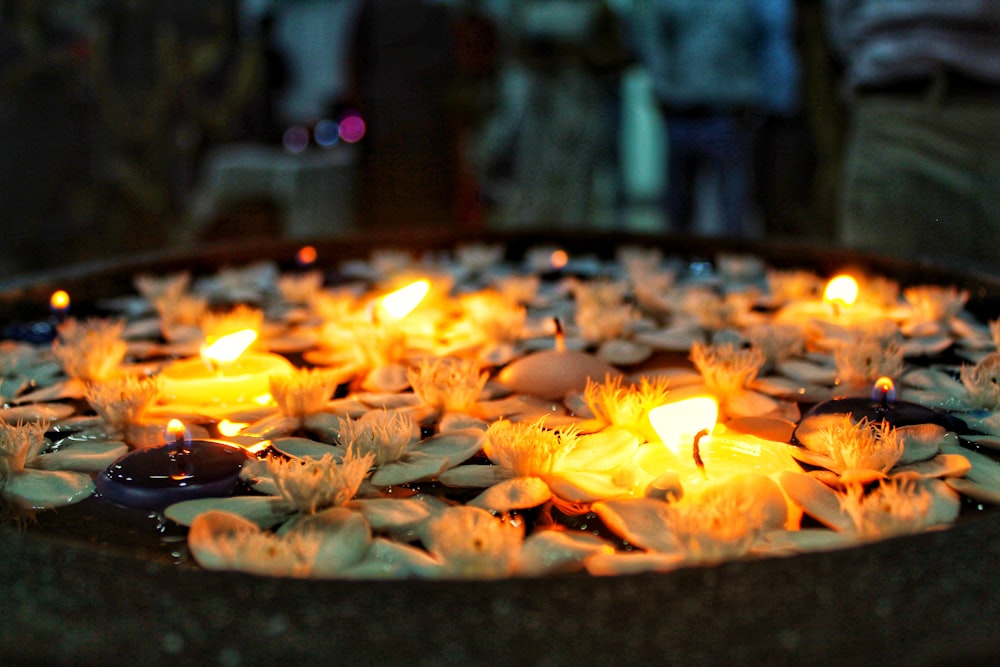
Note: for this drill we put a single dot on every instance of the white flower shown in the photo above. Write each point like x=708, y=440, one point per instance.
x=853, y=446
x=472, y=543
x=726, y=368
x=896, y=507
x=326, y=545
x=122, y=403
x=91, y=350
x=312, y=485
x=303, y=392
x=982, y=382
x=448, y=384
x=626, y=406
x=532, y=464
x=33, y=478
x=867, y=356
x=719, y=524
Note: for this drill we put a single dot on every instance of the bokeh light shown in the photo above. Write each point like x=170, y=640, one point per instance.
x=352, y=128
x=295, y=139
x=326, y=133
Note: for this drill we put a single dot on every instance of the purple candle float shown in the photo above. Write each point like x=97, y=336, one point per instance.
x=180, y=470
x=881, y=405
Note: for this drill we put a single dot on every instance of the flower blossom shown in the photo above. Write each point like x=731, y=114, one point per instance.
x=33, y=478
x=90, y=350
x=533, y=464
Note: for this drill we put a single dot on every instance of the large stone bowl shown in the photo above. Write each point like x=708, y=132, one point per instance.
x=932, y=599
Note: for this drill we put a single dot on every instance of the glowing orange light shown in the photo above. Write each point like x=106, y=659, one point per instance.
x=59, y=301
x=400, y=303
x=229, y=428
x=842, y=289
x=678, y=422
x=558, y=259
x=306, y=255
x=884, y=390
x=227, y=349
x=176, y=432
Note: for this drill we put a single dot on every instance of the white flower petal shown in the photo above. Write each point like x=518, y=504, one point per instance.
x=323, y=425
x=946, y=506
x=767, y=428
x=922, y=441
x=748, y=403
x=558, y=551
x=209, y=536
x=402, y=517
x=601, y=451
x=818, y=500
x=261, y=511
x=304, y=448
x=460, y=421
x=513, y=494
x=44, y=489
x=387, y=559
x=584, y=487
x=83, y=456
x=640, y=521
x=455, y=446
x=474, y=476
x=982, y=421
x=36, y=412
x=345, y=535
x=985, y=471
x=272, y=426
x=942, y=465
x=414, y=467
x=791, y=390
x=805, y=371
x=974, y=490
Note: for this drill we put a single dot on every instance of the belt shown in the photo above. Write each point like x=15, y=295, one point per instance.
x=944, y=86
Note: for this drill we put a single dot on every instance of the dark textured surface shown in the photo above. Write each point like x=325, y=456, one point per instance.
x=933, y=599
x=926, y=600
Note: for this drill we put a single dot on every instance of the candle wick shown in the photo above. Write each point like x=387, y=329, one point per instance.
x=560, y=337
x=696, y=451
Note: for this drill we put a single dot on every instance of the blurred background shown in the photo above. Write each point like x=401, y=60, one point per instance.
x=131, y=125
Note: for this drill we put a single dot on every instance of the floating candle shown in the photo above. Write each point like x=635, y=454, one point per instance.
x=224, y=375
x=698, y=450
x=881, y=405
x=180, y=469
x=551, y=374
x=398, y=304
x=839, y=306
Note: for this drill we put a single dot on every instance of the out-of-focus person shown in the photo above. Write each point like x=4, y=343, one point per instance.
x=921, y=173
x=705, y=59
x=552, y=125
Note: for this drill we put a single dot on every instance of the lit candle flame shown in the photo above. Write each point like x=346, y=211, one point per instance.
x=884, y=390
x=399, y=304
x=558, y=259
x=679, y=422
x=842, y=289
x=59, y=301
x=176, y=432
x=230, y=428
x=227, y=349
x=306, y=255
